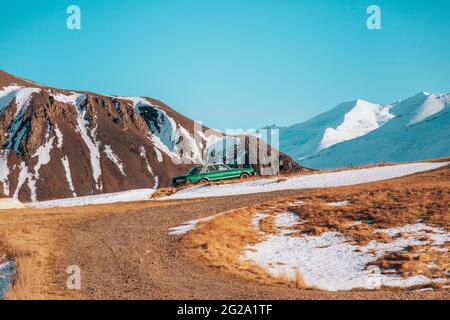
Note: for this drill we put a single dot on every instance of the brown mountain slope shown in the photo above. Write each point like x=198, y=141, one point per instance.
x=59, y=143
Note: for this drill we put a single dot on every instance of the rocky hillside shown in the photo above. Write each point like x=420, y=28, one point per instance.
x=59, y=143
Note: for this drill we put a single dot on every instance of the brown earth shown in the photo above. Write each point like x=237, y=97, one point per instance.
x=125, y=252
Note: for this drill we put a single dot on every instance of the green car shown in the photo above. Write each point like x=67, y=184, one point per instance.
x=213, y=172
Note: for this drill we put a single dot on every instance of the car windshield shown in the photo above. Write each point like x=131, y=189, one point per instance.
x=195, y=170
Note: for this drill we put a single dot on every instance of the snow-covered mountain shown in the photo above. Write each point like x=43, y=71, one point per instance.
x=59, y=143
x=359, y=132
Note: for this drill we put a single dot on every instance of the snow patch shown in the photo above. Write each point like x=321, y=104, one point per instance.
x=7, y=95
x=362, y=119
x=68, y=99
x=330, y=262
x=43, y=155
x=66, y=165
x=125, y=196
x=23, y=98
x=434, y=103
x=161, y=126
x=438, y=236
x=143, y=154
x=190, y=225
x=90, y=141
x=286, y=219
x=257, y=218
x=18, y=129
x=23, y=175
x=161, y=147
x=111, y=155
x=312, y=181
x=4, y=171
x=59, y=138
x=158, y=155
x=339, y=203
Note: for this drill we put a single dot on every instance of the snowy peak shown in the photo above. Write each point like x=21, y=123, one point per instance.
x=359, y=133
x=363, y=118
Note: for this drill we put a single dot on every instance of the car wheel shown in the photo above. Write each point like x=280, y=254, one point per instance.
x=245, y=176
x=203, y=181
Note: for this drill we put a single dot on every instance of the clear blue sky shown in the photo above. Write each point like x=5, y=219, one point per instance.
x=233, y=63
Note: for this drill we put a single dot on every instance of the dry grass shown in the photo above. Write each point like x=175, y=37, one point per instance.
x=38, y=241
x=422, y=197
x=222, y=248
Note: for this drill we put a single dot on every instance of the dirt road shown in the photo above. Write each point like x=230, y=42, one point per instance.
x=131, y=256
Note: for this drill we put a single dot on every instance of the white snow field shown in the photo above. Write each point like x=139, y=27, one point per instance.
x=125, y=196
x=359, y=133
x=323, y=180
x=330, y=262
x=190, y=225
x=10, y=203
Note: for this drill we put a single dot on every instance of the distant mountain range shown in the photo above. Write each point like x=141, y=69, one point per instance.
x=360, y=132
x=62, y=143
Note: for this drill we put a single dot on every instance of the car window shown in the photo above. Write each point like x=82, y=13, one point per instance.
x=223, y=167
x=195, y=170
x=213, y=168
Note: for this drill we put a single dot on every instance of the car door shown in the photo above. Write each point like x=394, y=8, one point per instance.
x=228, y=173
x=213, y=172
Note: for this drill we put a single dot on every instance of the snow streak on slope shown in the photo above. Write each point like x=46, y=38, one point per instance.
x=143, y=154
x=111, y=155
x=163, y=129
x=7, y=95
x=4, y=171
x=43, y=158
x=362, y=119
x=170, y=138
x=59, y=138
x=433, y=104
x=324, y=180
x=66, y=165
x=162, y=125
x=19, y=129
x=90, y=141
x=43, y=154
x=23, y=175
x=159, y=155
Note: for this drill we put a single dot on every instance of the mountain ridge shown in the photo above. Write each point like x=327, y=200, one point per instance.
x=420, y=108
x=57, y=143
